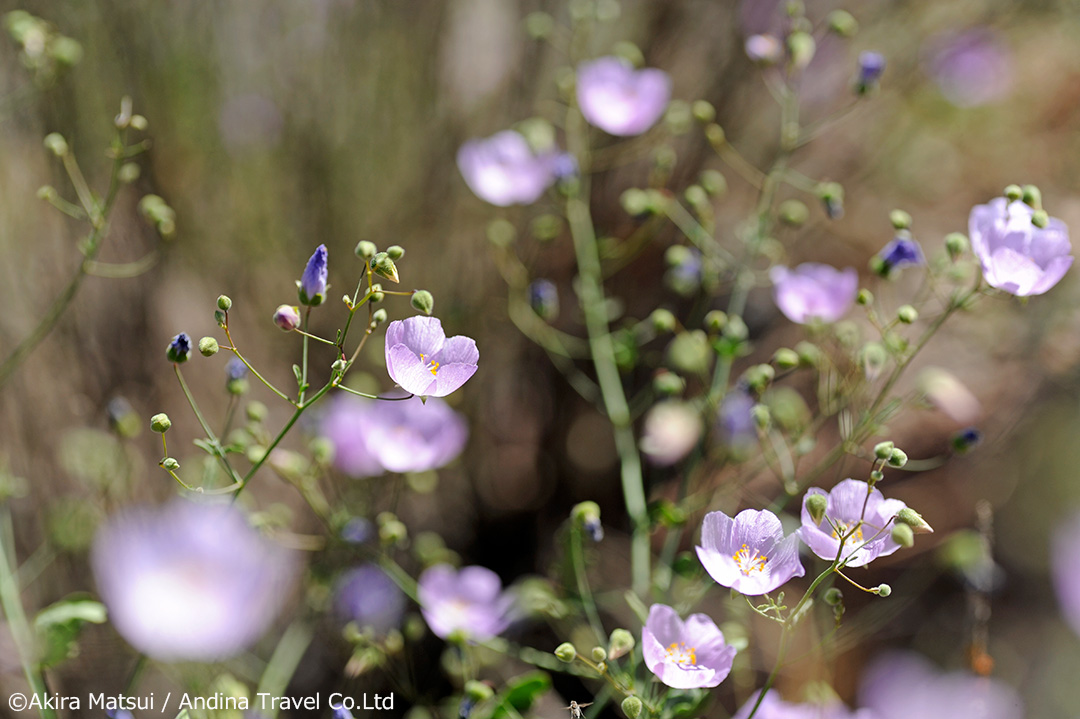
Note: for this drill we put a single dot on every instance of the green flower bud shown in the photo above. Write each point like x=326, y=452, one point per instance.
x=224, y=303
x=759, y=413
x=714, y=182
x=546, y=227
x=379, y=316
x=816, y=504
x=635, y=201
x=715, y=321
x=833, y=596
x=384, y=267
x=365, y=250
x=620, y=644
x=1040, y=218
x=255, y=411
x=566, y=652
x=678, y=117
x=662, y=320
x=208, y=346
x=786, y=358
x=802, y=47
x=160, y=423
x=736, y=329
x=1013, y=192
x=832, y=196
x=56, y=144
x=396, y=252
x=865, y=297
x=170, y=464
x=956, y=244
x=539, y=25
x=842, y=23
x=339, y=365
x=393, y=533
x=716, y=136
x=793, y=213
x=138, y=122
x=1032, y=197
x=759, y=376
x=631, y=707
x=128, y=173
x=883, y=590
x=913, y=519
x=900, y=220
x=876, y=476
x=668, y=383
x=599, y=654
x=219, y=318
x=898, y=458
x=690, y=352
x=46, y=192
x=696, y=196
x=703, y=111
x=422, y=301
x=809, y=354
x=601, y=667
x=903, y=535
x=478, y=691
x=873, y=357
x=884, y=450
x=907, y=314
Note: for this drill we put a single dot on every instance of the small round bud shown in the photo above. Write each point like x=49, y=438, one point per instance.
x=833, y=596
x=566, y=652
x=396, y=252
x=956, y=244
x=883, y=590
x=865, y=297
x=809, y=354
x=900, y=220
x=802, y=47
x=501, y=233
x=760, y=415
x=46, y=192
x=128, y=173
x=903, y=535
x=255, y=411
x=907, y=314
x=138, y=122
x=1032, y=197
x=690, y=352
x=913, y=519
x=786, y=358
x=393, y=533
x=1040, y=218
x=478, y=691
x=179, y=349
x=714, y=182
x=160, y=423
x=715, y=135
x=759, y=376
x=620, y=644
x=170, y=464
x=696, y=196
x=224, y=303
x=599, y=654
x=876, y=476
x=736, y=329
x=379, y=316
x=873, y=357
x=662, y=320
x=832, y=196
x=631, y=707
x=898, y=458
x=668, y=383
x=208, y=346
x=793, y=213
x=56, y=144
x=219, y=318
x=703, y=111
x=384, y=267
x=842, y=23
x=635, y=201
x=816, y=504
x=422, y=301
x=883, y=450
x=339, y=365
x=365, y=250
x=715, y=321
x=1013, y=192
x=287, y=317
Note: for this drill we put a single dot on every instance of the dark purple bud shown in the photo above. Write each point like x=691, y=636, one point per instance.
x=179, y=349
x=871, y=66
x=594, y=529
x=544, y=299
x=901, y=252
x=313, y=281
x=965, y=440
x=357, y=531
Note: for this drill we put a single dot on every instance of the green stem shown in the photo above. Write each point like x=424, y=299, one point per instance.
x=304, y=359
x=577, y=558
x=284, y=661
x=218, y=453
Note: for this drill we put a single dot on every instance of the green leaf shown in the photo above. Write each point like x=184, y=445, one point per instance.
x=58, y=627
x=298, y=374
x=69, y=610
x=521, y=692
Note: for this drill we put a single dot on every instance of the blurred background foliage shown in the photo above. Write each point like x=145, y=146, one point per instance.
x=279, y=125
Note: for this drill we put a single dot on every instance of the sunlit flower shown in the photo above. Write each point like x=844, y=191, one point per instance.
x=401, y=436
x=312, y=284
x=748, y=553
x=470, y=602
x=368, y=597
x=1017, y=256
x=849, y=502
x=971, y=68
x=902, y=685
x=504, y=170
x=188, y=581
x=685, y=655
x=620, y=100
x=814, y=291
x=424, y=361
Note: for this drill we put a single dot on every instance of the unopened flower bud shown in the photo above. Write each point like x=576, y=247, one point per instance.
x=871, y=67
x=662, y=320
x=884, y=450
x=898, y=458
x=714, y=182
x=913, y=519
x=312, y=284
x=703, y=111
x=956, y=244
x=736, y=329
x=816, y=504
x=478, y=691
x=224, y=303
x=599, y=654
x=179, y=349
x=786, y=358
x=715, y=321
x=802, y=47
x=1040, y=218
x=716, y=136
x=759, y=376
x=379, y=316
x=842, y=23
x=1032, y=197
x=56, y=144
x=876, y=476
x=632, y=707
x=809, y=354
x=865, y=297
x=793, y=213
x=396, y=252
x=873, y=357
x=883, y=590
x=759, y=413
x=833, y=596
x=219, y=318
x=907, y=314
x=384, y=267
x=170, y=464
x=965, y=440
x=620, y=644
x=690, y=352
x=208, y=346
x=255, y=411
x=832, y=196
x=128, y=173
x=1013, y=193
x=160, y=423
x=903, y=535
x=422, y=301
x=668, y=383
x=287, y=317
x=566, y=652
x=365, y=250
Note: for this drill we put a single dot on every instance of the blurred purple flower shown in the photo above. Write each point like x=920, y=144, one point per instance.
x=544, y=299
x=403, y=436
x=844, y=510
x=764, y=49
x=671, y=430
x=368, y=597
x=312, y=284
x=470, y=601
x=357, y=530
x=871, y=68
x=748, y=553
x=189, y=581
x=735, y=423
x=971, y=68
x=1017, y=256
x=685, y=655
x=901, y=685
x=814, y=291
x=620, y=100
x=1065, y=569
x=424, y=361
x=901, y=252
x=773, y=707
x=235, y=370
x=504, y=170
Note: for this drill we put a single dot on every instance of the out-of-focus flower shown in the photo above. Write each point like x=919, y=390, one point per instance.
x=949, y=395
x=748, y=553
x=764, y=49
x=368, y=597
x=1065, y=569
x=735, y=422
x=189, y=581
x=671, y=430
x=504, y=170
x=235, y=370
x=901, y=252
x=403, y=436
x=685, y=655
x=1017, y=256
x=773, y=707
x=287, y=317
x=424, y=361
x=544, y=299
x=620, y=100
x=901, y=685
x=871, y=68
x=844, y=510
x=312, y=285
x=470, y=602
x=179, y=349
x=971, y=68
x=814, y=291
x=357, y=530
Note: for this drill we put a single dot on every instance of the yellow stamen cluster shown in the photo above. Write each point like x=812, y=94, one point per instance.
x=680, y=654
x=433, y=367
x=844, y=528
x=749, y=562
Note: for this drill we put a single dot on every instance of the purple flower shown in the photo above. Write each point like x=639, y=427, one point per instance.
x=287, y=317
x=764, y=49
x=424, y=361
x=368, y=597
x=1017, y=256
x=773, y=707
x=814, y=291
x=357, y=530
x=843, y=512
x=671, y=430
x=901, y=685
x=470, y=601
x=971, y=68
x=735, y=422
x=544, y=299
x=370, y=438
x=871, y=67
x=901, y=252
x=620, y=100
x=685, y=655
x=235, y=370
x=179, y=349
x=188, y=581
x=749, y=553
x=312, y=285
x=1065, y=569
x=504, y=170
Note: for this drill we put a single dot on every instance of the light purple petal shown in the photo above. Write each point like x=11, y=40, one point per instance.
x=1065, y=570
x=685, y=656
x=503, y=169
x=408, y=371
x=470, y=601
x=814, y=291
x=450, y=378
x=618, y=99
x=1016, y=256
x=664, y=623
x=1052, y=274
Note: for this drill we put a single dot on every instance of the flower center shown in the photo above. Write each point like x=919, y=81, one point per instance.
x=432, y=367
x=749, y=561
x=679, y=653
x=844, y=528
